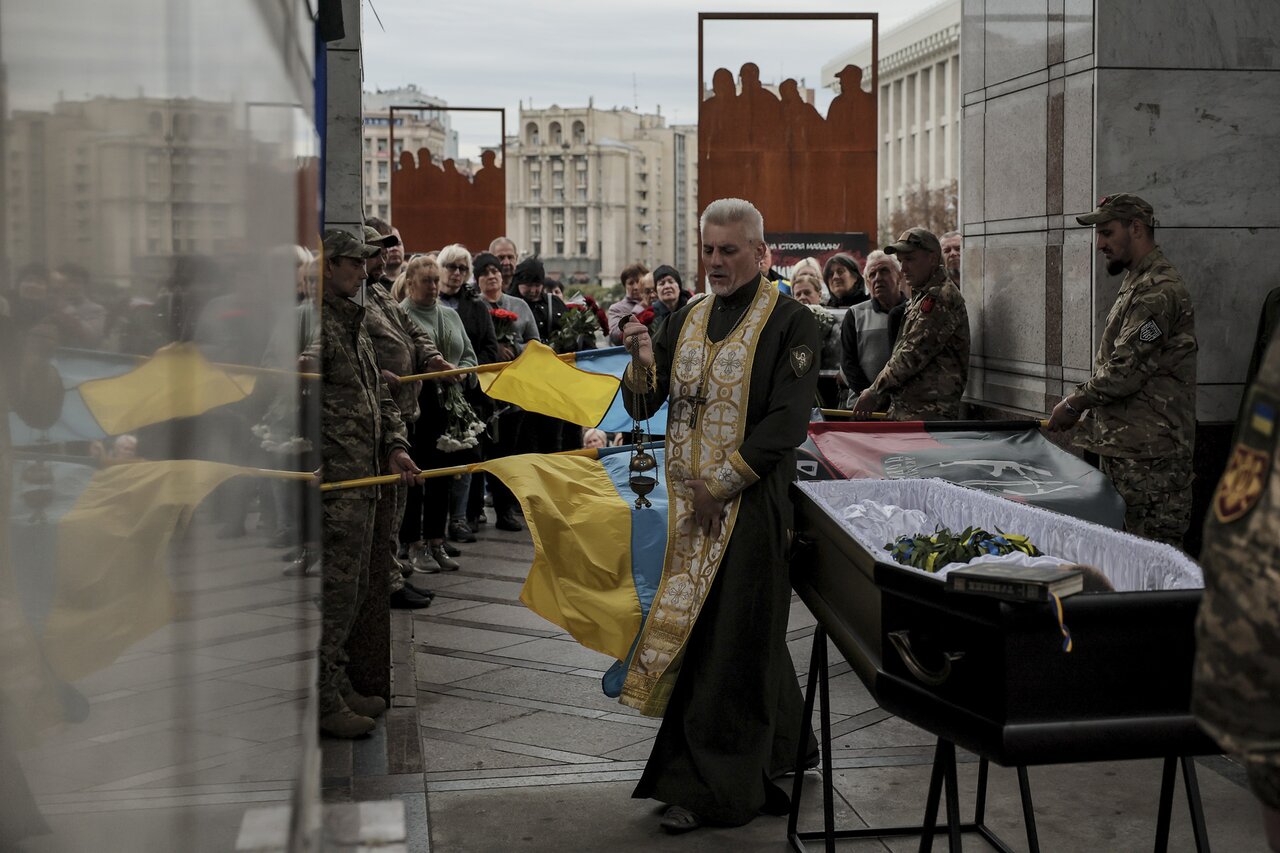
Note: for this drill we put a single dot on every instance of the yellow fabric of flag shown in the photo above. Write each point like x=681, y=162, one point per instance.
x=176, y=382
x=112, y=588
x=581, y=529
x=538, y=381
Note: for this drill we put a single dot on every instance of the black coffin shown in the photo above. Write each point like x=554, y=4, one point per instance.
x=991, y=676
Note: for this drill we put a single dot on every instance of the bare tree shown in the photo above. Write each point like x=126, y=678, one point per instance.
x=936, y=209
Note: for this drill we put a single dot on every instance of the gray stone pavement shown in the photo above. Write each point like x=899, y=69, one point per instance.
x=516, y=748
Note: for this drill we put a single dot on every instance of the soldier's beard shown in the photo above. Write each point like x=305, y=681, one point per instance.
x=1115, y=267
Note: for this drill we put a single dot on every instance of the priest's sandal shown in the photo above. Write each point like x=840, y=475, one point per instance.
x=678, y=819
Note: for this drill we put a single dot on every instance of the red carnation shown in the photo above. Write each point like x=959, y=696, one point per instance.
x=645, y=316
x=504, y=315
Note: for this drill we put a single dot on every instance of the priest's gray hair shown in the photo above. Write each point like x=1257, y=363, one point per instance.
x=726, y=211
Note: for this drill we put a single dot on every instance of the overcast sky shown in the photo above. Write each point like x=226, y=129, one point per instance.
x=500, y=53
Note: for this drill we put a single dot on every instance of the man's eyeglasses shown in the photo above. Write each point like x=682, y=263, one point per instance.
x=456, y=267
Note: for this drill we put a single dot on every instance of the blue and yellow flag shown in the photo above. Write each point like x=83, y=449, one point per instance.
x=597, y=558
x=583, y=389
x=109, y=394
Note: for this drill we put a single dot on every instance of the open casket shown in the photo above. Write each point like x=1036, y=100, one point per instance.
x=991, y=675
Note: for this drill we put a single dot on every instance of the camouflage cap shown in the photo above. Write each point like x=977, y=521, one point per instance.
x=343, y=244
x=1119, y=206
x=382, y=241
x=913, y=239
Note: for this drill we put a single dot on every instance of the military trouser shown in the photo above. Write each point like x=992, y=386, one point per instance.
x=400, y=493
x=347, y=536
x=1157, y=495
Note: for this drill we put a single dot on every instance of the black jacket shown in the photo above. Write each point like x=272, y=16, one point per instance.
x=478, y=324
x=547, y=311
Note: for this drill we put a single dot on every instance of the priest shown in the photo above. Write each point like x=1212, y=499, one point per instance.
x=739, y=368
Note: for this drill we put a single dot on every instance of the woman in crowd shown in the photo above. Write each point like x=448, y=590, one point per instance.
x=455, y=262
x=445, y=415
x=671, y=295
x=844, y=281
x=870, y=328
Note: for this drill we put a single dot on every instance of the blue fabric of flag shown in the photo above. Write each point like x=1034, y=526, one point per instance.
x=613, y=361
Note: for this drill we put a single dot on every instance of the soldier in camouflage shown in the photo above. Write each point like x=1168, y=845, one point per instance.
x=926, y=374
x=403, y=348
x=1141, y=398
x=1236, y=683
x=362, y=435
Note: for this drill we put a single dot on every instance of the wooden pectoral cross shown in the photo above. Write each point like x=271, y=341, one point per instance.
x=693, y=402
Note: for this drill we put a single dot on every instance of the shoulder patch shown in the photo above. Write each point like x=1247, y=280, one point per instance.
x=1149, y=331
x=1241, y=484
x=801, y=359
x=926, y=305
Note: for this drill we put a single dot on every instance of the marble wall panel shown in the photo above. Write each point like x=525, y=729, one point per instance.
x=1196, y=145
x=343, y=157
x=972, y=157
x=1014, y=156
x=1221, y=34
x=1078, y=28
x=1078, y=194
x=1016, y=40
x=972, y=287
x=1013, y=298
x=1077, y=300
x=972, y=39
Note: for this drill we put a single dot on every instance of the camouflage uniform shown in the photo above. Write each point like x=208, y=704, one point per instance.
x=929, y=367
x=360, y=426
x=403, y=347
x=1236, y=682
x=1142, y=400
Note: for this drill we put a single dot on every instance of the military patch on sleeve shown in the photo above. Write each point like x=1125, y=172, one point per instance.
x=801, y=359
x=1262, y=419
x=1149, y=331
x=1241, y=484
x=926, y=305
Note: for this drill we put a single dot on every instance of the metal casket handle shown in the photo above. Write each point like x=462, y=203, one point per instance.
x=902, y=642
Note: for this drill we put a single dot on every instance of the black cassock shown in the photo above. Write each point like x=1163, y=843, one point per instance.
x=734, y=715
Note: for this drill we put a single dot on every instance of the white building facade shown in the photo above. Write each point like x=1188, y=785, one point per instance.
x=919, y=103
x=591, y=191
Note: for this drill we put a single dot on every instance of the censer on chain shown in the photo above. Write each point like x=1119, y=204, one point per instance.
x=643, y=481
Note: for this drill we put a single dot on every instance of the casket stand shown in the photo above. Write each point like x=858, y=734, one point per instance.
x=991, y=676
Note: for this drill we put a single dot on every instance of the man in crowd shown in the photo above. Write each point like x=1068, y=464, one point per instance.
x=1141, y=398
x=929, y=366
x=393, y=254
x=631, y=302
x=712, y=656
x=362, y=435
x=539, y=433
x=504, y=249
x=767, y=270
x=951, y=243
x=870, y=329
x=402, y=348
x=1236, y=680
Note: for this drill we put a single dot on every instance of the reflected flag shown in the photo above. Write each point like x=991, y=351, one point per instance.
x=109, y=394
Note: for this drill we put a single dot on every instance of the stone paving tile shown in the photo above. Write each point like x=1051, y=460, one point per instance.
x=890, y=732
x=293, y=675
x=487, y=589
x=566, y=652
x=547, y=686
x=442, y=669
x=456, y=714
x=444, y=604
x=440, y=756
x=464, y=639
x=570, y=733
x=504, y=615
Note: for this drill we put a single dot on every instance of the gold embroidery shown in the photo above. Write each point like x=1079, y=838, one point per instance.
x=708, y=450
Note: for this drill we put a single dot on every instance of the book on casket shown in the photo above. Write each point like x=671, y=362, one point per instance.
x=1016, y=583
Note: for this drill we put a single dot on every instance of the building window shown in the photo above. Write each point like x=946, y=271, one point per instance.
x=382, y=146
x=382, y=171
x=555, y=133
x=156, y=122
x=579, y=133
x=560, y=247
x=531, y=133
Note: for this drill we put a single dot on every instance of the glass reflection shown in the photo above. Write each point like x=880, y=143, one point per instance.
x=157, y=581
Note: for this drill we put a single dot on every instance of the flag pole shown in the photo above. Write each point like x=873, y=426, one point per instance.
x=492, y=367
x=432, y=473
x=849, y=413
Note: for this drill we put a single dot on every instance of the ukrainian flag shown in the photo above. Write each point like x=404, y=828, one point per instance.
x=583, y=389
x=597, y=558
x=107, y=394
